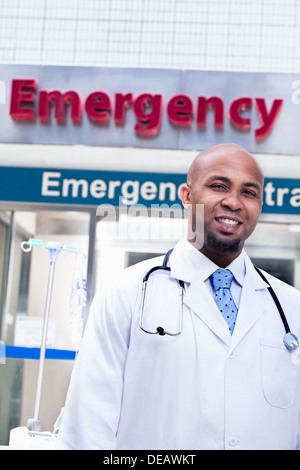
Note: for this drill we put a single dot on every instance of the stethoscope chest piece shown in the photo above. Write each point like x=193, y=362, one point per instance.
x=291, y=341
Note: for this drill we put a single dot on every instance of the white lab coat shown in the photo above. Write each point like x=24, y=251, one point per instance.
x=200, y=390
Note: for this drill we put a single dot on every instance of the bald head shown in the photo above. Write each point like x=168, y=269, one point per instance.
x=234, y=153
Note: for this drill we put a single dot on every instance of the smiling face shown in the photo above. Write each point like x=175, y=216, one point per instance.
x=229, y=182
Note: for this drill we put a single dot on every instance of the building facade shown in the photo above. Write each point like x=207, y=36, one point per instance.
x=103, y=105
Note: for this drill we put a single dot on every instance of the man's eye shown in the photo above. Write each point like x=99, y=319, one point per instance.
x=220, y=187
x=249, y=193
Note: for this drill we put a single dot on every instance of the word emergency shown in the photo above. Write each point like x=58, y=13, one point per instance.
x=27, y=103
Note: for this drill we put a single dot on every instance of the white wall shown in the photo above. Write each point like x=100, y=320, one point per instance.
x=256, y=35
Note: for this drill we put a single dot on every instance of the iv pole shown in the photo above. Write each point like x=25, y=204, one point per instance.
x=54, y=248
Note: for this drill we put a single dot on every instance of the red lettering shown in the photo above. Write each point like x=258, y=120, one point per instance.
x=147, y=108
x=21, y=101
x=204, y=104
x=236, y=107
x=98, y=106
x=149, y=121
x=60, y=100
x=179, y=110
x=267, y=119
x=121, y=102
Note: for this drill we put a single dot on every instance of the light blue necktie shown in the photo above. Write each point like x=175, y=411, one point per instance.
x=221, y=281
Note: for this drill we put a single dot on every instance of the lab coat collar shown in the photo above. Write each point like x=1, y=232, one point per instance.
x=192, y=267
x=187, y=262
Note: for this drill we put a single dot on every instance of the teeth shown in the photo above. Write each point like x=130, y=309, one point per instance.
x=228, y=221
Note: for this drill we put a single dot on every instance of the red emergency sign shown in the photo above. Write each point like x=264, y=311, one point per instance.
x=29, y=103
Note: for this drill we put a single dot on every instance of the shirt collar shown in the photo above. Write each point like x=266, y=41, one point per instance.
x=238, y=268
x=205, y=267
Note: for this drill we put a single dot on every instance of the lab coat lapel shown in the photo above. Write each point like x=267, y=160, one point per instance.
x=200, y=301
x=252, y=303
x=197, y=297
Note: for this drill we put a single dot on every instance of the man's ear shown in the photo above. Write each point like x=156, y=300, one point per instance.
x=185, y=193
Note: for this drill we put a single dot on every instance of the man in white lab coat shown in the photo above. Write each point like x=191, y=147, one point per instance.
x=209, y=387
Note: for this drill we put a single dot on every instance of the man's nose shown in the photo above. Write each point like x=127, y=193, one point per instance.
x=232, y=201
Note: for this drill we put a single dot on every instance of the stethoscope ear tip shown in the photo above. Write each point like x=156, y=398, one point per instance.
x=291, y=341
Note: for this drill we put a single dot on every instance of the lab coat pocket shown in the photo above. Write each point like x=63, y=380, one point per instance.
x=279, y=374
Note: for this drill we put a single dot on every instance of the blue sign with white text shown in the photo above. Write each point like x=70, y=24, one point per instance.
x=95, y=188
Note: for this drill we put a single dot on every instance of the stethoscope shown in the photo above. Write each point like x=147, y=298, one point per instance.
x=290, y=340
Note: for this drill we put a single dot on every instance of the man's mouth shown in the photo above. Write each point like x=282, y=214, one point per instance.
x=228, y=222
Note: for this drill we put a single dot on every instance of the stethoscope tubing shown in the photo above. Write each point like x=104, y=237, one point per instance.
x=160, y=330
x=275, y=298
x=290, y=340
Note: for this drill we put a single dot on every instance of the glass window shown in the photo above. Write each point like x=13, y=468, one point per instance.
x=24, y=277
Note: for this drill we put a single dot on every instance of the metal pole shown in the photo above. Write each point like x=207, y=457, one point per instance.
x=90, y=263
x=35, y=424
x=7, y=276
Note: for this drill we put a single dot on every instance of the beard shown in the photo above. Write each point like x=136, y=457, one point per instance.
x=221, y=246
